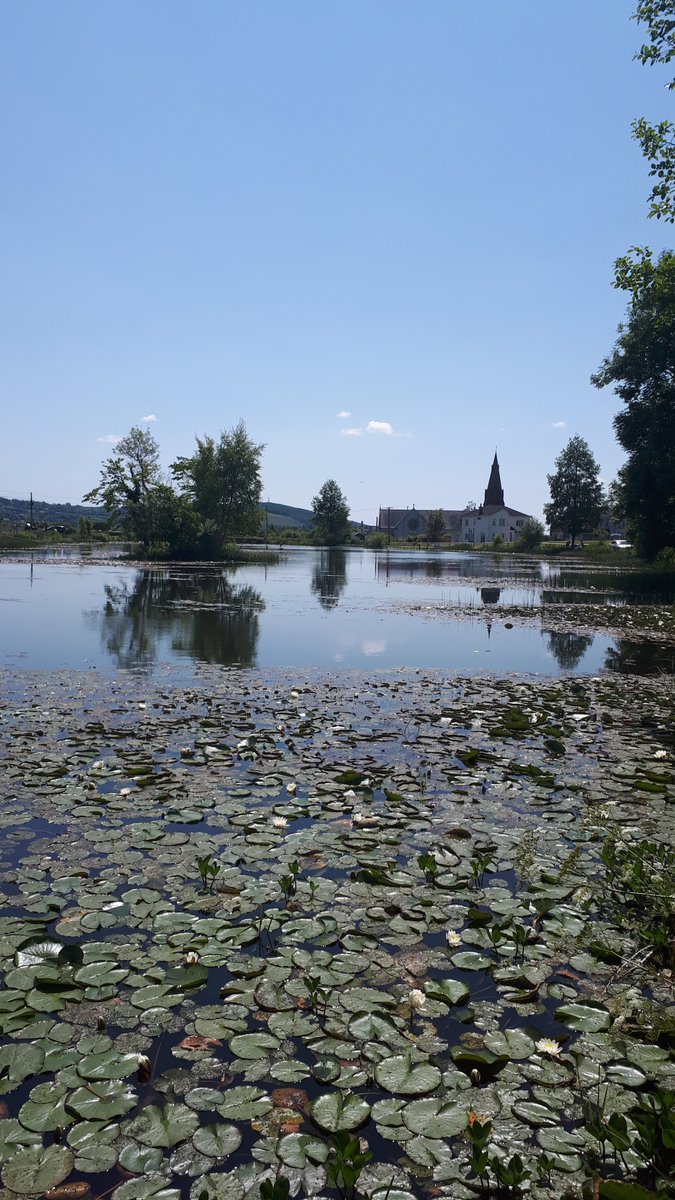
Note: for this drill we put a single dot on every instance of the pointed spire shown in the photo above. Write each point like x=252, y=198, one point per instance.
x=494, y=492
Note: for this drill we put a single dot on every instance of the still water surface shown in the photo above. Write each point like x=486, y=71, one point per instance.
x=317, y=608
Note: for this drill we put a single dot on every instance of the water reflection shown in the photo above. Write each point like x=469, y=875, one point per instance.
x=640, y=658
x=330, y=577
x=490, y=595
x=568, y=649
x=202, y=614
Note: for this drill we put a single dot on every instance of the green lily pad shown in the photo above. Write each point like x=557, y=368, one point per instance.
x=217, y=1141
x=297, y=1149
x=334, y=1111
x=37, y=1168
x=18, y=1061
x=590, y=1017
x=168, y=1126
x=254, y=1045
x=436, y=1118
x=398, y=1074
x=448, y=991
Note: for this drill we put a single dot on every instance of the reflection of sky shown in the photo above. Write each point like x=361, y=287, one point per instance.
x=49, y=618
x=374, y=647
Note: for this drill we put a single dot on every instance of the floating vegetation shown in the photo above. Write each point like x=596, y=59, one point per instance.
x=390, y=936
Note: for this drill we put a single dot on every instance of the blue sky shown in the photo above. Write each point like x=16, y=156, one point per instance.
x=379, y=231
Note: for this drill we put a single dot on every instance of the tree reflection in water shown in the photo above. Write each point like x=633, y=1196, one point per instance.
x=568, y=648
x=204, y=615
x=330, y=577
x=640, y=658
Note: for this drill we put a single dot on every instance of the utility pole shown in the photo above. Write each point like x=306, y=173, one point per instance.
x=31, y=510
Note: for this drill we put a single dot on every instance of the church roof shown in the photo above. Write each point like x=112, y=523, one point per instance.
x=494, y=492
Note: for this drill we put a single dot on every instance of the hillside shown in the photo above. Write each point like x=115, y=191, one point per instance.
x=18, y=511
x=280, y=516
x=284, y=516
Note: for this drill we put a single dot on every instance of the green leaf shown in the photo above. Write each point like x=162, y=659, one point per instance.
x=590, y=1017
x=397, y=1074
x=37, y=1168
x=217, y=1141
x=448, y=991
x=297, y=1149
x=168, y=1126
x=253, y=1045
x=435, y=1118
x=334, y=1111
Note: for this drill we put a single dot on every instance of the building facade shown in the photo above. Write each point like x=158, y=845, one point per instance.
x=474, y=525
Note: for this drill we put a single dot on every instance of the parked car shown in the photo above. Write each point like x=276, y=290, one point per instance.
x=621, y=543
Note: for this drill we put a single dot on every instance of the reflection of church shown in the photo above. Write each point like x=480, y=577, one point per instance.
x=477, y=525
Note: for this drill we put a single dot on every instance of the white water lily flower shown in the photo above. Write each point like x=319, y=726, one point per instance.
x=359, y=818
x=350, y=794
x=291, y=787
x=279, y=822
x=294, y=695
x=186, y=752
x=657, y=754
x=242, y=745
x=142, y=704
x=548, y=1046
x=125, y=791
x=143, y=1062
x=452, y=938
x=416, y=999
x=191, y=958
x=98, y=765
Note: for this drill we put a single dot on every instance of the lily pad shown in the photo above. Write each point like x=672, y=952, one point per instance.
x=398, y=1074
x=334, y=1111
x=37, y=1168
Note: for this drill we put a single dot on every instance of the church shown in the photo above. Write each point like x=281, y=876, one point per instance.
x=475, y=525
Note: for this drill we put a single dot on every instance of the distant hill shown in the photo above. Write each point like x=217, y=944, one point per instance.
x=279, y=516
x=47, y=514
x=284, y=516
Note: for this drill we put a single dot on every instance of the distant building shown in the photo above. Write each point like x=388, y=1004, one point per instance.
x=476, y=525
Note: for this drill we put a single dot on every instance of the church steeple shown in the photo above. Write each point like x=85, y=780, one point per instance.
x=494, y=492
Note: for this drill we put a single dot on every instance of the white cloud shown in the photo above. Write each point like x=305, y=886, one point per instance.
x=344, y=414
x=560, y=424
x=380, y=427
x=149, y=418
x=352, y=432
x=110, y=439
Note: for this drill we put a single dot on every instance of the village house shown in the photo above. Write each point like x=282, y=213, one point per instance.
x=475, y=525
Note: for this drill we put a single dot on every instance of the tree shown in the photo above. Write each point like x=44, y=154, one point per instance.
x=658, y=141
x=576, y=491
x=642, y=369
x=531, y=535
x=331, y=515
x=222, y=479
x=128, y=479
x=435, y=525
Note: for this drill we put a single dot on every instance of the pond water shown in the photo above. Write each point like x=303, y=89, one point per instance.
x=316, y=608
